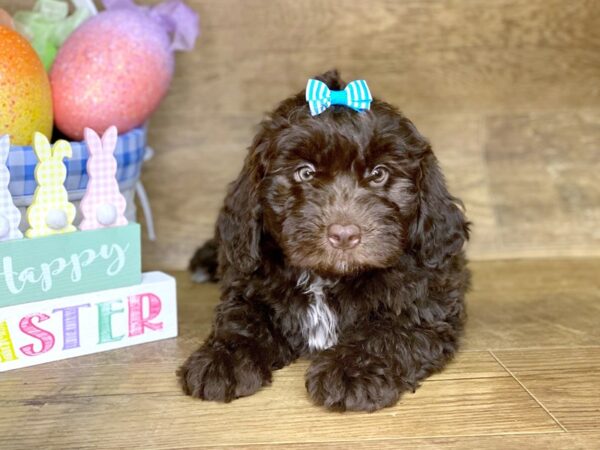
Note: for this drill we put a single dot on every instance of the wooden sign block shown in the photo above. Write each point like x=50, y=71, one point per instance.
x=61, y=328
x=67, y=264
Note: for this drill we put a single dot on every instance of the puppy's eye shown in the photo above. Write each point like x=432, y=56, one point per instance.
x=304, y=173
x=378, y=176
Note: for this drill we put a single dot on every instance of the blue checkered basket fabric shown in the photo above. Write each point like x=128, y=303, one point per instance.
x=131, y=152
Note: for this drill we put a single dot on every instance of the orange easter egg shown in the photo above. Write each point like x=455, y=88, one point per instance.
x=25, y=97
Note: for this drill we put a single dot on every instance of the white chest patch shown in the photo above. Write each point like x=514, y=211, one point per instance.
x=319, y=324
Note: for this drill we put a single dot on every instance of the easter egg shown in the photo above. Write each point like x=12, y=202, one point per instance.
x=112, y=70
x=25, y=97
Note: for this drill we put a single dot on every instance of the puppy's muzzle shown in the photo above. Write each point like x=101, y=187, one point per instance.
x=343, y=237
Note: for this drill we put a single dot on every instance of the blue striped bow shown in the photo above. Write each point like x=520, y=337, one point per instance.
x=319, y=97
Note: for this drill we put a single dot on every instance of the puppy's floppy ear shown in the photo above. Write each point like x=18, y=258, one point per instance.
x=440, y=228
x=240, y=222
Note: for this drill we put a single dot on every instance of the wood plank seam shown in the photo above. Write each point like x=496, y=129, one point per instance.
x=542, y=348
x=528, y=391
x=368, y=440
x=457, y=378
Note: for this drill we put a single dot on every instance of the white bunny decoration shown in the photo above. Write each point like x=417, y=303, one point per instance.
x=50, y=212
x=103, y=205
x=10, y=216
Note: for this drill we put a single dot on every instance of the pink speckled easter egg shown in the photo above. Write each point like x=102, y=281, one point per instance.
x=113, y=70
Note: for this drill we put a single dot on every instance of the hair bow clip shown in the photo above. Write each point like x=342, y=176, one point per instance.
x=356, y=95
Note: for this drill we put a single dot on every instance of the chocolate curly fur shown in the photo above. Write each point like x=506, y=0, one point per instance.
x=397, y=298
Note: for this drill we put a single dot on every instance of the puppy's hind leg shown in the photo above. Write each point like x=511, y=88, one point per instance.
x=204, y=264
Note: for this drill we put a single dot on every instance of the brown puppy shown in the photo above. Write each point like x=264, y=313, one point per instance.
x=338, y=241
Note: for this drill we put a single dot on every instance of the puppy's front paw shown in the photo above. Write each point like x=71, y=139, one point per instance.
x=346, y=381
x=216, y=373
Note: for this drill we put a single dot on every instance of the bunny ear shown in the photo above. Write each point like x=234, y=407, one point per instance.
x=4, y=148
x=41, y=146
x=109, y=140
x=92, y=140
x=62, y=149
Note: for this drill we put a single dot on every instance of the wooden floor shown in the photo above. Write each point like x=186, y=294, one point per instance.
x=527, y=376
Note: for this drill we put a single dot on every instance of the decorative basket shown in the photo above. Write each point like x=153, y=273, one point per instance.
x=130, y=153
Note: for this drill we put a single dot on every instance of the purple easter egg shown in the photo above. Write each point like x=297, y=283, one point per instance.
x=113, y=70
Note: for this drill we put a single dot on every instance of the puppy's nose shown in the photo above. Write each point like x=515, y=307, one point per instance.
x=343, y=236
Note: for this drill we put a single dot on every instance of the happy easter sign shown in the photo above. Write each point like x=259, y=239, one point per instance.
x=68, y=264
x=35, y=333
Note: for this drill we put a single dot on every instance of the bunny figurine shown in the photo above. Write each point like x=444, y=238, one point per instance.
x=102, y=205
x=50, y=212
x=10, y=216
